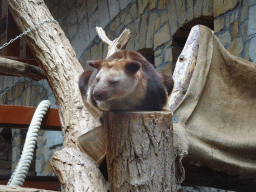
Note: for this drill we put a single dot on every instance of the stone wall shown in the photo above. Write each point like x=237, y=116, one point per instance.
x=80, y=17
x=158, y=25
x=231, y=25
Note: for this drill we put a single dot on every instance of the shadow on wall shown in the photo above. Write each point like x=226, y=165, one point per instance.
x=181, y=35
x=148, y=53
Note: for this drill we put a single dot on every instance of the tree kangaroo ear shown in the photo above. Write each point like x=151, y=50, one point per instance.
x=132, y=67
x=168, y=83
x=95, y=63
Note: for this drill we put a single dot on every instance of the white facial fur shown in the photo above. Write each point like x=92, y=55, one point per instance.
x=127, y=84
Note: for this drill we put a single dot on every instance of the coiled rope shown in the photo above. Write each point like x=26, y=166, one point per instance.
x=19, y=174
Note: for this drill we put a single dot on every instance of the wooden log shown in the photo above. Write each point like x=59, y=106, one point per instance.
x=140, y=153
x=58, y=61
x=4, y=188
x=184, y=68
x=17, y=68
x=182, y=75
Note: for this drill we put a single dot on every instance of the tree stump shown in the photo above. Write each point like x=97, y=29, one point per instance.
x=140, y=155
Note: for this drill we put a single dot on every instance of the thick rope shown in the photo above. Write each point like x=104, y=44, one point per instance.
x=21, y=170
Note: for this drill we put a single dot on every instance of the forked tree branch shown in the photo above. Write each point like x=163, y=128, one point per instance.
x=117, y=44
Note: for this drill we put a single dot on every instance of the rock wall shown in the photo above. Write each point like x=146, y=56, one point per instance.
x=154, y=25
x=231, y=25
x=79, y=18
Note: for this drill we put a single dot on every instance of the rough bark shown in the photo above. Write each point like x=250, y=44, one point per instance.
x=140, y=153
x=80, y=169
x=184, y=68
x=58, y=61
x=4, y=188
x=17, y=68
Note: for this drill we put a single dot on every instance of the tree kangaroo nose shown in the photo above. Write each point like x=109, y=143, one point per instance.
x=100, y=95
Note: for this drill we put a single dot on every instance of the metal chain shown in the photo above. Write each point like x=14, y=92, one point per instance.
x=9, y=87
x=3, y=91
x=27, y=31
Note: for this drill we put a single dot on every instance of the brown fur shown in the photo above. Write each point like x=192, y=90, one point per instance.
x=125, y=81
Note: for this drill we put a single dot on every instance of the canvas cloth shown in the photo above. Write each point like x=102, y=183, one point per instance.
x=216, y=120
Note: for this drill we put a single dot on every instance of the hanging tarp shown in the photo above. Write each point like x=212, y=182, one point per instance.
x=216, y=120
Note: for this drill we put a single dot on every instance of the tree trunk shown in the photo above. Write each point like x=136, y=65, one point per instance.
x=59, y=63
x=140, y=153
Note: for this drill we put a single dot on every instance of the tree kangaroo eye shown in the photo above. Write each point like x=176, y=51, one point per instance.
x=97, y=80
x=113, y=83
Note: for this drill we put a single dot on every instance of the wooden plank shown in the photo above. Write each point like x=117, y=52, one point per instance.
x=13, y=116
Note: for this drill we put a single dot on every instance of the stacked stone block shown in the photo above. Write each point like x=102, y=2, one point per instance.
x=79, y=18
x=231, y=24
x=152, y=25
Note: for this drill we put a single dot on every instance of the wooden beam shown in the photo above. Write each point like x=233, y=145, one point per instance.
x=17, y=68
x=20, y=117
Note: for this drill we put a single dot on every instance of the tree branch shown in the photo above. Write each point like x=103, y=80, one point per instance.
x=116, y=45
x=17, y=68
